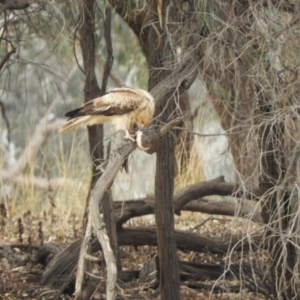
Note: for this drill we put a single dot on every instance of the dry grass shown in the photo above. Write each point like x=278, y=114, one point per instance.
x=189, y=172
x=55, y=159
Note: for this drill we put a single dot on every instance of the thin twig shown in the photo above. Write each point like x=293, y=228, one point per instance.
x=46, y=124
x=113, y=76
x=202, y=223
x=6, y=57
x=3, y=110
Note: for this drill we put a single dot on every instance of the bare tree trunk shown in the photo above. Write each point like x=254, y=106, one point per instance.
x=91, y=87
x=91, y=91
x=164, y=176
x=164, y=216
x=164, y=209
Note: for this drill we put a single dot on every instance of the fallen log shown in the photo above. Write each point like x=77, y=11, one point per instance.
x=125, y=210
x=62, y=265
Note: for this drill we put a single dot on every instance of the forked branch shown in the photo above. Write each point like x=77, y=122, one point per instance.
x=95, y=221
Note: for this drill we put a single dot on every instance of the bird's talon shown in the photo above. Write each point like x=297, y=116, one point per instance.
x=129, y=138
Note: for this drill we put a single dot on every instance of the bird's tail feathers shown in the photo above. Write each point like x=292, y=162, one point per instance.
x=74, y=123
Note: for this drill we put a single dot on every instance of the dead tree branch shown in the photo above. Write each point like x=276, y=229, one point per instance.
x=113, y=76
x=97, y=195
x=47, y=123
x=191, y=198
x=202, y=189
x=126, y=210
x=14, y=174
x=7, y=56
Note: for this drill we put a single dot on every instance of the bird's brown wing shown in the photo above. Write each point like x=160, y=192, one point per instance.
x=119, y=101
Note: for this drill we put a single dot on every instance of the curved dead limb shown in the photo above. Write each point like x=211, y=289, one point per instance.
x=126, y=210
x=95, y=221
x=191, y=198
x=49, y=123
x=197, y=190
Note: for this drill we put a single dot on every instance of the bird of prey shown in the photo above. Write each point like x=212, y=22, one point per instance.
x=125, y=108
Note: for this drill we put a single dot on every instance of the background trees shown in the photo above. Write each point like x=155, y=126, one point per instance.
x=246, y=53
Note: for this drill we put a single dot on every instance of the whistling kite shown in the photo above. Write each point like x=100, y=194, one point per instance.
x=126, y=108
